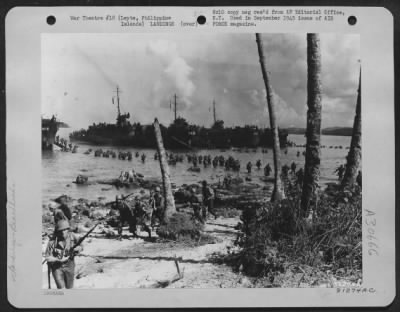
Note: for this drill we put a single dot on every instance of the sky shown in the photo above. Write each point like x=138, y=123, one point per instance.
x=80, y=73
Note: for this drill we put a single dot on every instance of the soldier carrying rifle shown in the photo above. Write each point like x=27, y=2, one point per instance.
x=60, y=253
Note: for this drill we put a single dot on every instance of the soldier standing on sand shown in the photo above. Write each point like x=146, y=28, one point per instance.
x=60, y=255
x=126, y=214
x=293, y=167
x=195, y=204
x=208, y=200
x=340, y=171
x=142, y=216
x=157, y=204
x=227, y=181
x=62, y=212
x=300, y=176
x=359, y=178
x=285, y=170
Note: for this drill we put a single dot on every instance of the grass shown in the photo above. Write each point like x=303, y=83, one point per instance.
x=180, y=226
x=227, y=212
x=272, y=236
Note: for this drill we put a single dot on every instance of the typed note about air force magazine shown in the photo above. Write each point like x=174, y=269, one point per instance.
x=200, y=157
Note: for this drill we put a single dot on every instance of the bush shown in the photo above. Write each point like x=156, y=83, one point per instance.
x=275, y=232
x=228, y=212
x=85, y=212
x=180, y=225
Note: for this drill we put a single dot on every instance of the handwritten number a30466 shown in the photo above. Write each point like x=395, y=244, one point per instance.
x=372, y=239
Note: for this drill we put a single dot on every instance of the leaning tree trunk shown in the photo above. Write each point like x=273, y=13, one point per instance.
x=169, y=202
x=313, y=133
x=278, y=192
x=354, y=156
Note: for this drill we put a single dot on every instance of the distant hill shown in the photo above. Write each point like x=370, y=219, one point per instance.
x=294, y=130
x=343, y=131
x=340, y=131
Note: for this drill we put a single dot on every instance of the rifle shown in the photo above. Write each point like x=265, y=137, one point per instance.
x=114, y=201
x=83, y=238
x=80, y=240
x=48, y=275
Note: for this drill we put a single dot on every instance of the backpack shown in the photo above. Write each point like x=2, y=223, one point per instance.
x=209, y=193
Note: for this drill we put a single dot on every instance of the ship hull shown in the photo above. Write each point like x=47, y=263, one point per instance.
x=102, y=140
x=49, y=131
x=170, y=144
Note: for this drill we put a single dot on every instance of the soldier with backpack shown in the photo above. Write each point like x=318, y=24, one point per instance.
x=157, y=206
x=60, y=253
x=208, y=200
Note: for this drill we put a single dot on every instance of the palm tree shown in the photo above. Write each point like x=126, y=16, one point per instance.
x=354, y=156
x=313, y=133
x=169, y=202
x=278, y=192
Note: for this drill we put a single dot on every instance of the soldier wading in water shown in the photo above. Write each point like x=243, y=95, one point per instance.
x=60, y=253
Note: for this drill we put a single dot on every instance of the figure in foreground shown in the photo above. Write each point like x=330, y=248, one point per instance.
x=60, y=254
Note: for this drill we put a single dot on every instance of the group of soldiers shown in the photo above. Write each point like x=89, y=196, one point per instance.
x=147, y=214
x=122, y=155
x=139, y=212
x=64, y=245
x=204, y=205
x=65, y=146
x=171, y=157
x=128, y=176
x=267, y=168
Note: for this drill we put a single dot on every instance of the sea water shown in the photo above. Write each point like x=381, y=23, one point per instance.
x=60, y=169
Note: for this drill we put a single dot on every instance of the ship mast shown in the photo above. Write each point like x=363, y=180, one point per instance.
x=175, y=97
x=118, y=91
x=214, y=112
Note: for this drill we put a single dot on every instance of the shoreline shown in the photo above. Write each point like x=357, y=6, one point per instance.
x=107, y=262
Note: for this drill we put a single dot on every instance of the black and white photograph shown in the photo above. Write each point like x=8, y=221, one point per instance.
x=201, y=160
x=194, y=157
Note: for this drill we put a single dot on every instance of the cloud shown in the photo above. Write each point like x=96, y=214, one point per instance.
x=176, y=69
x=151, y=68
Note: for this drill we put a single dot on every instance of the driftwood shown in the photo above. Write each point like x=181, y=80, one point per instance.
x=165, y=283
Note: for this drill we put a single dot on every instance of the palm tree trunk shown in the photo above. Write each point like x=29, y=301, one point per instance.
x=169, y=202
x=278, y=192
x=354, y=156
x=313, y=133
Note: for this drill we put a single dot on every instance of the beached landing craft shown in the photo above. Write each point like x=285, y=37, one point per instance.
x=179, y=134
x=120, y=133
x=49, y=131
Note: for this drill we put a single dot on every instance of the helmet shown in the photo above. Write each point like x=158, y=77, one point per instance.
x=62, y=225
x=157, y=189
x=53, y=205
x=118, y=197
